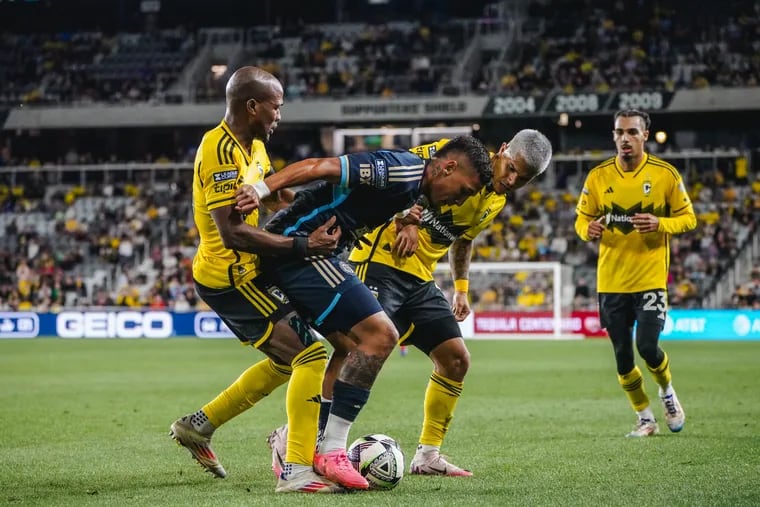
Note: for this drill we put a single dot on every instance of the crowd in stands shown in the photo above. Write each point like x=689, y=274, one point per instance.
x=564, y=45
x=746, y=296
x=597, y=47
x=354, y=60
x=87, y=67
x=96, y=246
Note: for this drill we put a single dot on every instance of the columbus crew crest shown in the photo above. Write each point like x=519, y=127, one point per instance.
x=647, y=187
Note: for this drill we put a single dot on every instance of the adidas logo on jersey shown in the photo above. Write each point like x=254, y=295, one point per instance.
x=609, y=190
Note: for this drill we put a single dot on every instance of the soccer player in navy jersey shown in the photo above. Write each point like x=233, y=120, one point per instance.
x=362, y=191
x=397, y=264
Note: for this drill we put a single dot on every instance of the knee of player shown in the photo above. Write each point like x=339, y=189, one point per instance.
x=461, y=362
x=454, y=364
x=385, y=338
x=648, y=351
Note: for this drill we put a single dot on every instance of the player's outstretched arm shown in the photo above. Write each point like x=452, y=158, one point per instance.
x=301, y=173
x=238, y=235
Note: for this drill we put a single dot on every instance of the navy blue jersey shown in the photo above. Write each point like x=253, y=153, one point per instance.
x=373, y=187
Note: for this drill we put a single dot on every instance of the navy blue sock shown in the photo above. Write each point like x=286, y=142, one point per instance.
x=324, y=412
x=348, y=400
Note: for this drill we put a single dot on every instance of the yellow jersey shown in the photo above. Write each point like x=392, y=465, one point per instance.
x=221, y=166
x=630, y=261
x=436, y=232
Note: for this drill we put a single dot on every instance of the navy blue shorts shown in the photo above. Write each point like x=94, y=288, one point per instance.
x=324, y=290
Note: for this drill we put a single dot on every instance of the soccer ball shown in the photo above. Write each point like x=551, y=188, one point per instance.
x=379, y=459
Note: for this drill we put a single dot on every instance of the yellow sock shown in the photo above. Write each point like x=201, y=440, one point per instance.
x=441, y=398
x=303, y=402
x=255, y=383
x=633, y=385
x=661, y=373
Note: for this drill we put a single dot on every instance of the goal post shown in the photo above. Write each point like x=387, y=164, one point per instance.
x=506, y=317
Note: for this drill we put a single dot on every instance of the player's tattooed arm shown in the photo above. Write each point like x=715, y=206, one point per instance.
x=459, y=255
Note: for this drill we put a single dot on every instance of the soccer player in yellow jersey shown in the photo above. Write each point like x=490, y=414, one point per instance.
x=631, y=204
x=227, y=275
x=397, y=264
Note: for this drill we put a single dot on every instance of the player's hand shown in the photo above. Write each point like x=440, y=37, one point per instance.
x=460, y=306
x=246, y=199
x=645, y=222
x=407, y=241
x=324, y=239
x=597, y=227
x=412, y=216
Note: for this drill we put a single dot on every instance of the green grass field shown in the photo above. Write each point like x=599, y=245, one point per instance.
x=85, y=422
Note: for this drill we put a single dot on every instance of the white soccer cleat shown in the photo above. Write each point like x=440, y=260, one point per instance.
x=433, y=463
x=306, y=482
x=199, y=446
x=278, y=443
x=644, y=428
x=674, y=414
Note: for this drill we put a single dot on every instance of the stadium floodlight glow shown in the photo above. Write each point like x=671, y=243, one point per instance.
x=661, y=136
x=218, y=70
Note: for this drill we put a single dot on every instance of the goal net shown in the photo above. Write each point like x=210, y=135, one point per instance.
x=517, y=300
x=367, y=139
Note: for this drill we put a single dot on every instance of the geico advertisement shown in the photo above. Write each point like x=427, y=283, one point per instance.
x=112, y=324
x=679, y=324
x=129, y=324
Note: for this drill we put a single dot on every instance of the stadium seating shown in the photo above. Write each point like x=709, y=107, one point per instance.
x=562, y=46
